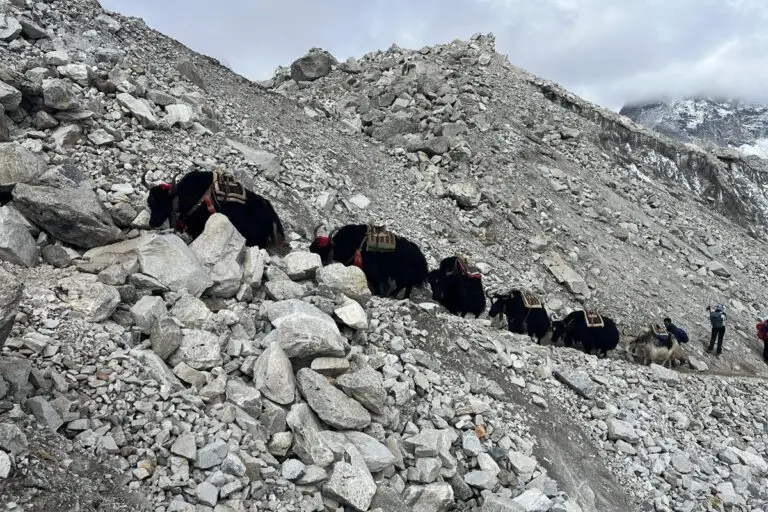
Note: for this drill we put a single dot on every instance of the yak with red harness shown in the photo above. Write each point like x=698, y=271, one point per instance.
x=525, y=313
x=458, y=286
x=588, y=327
x=382, y=256
x=188, y=203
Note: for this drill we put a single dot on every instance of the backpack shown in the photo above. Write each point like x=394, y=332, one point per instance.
x=717, y=318
x=681, y=335
x=762, y=330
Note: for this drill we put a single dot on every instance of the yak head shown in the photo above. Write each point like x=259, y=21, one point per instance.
x=322, y=245
x=558, y=329
x=498, y=304
x=434, y=282
x=159, y=200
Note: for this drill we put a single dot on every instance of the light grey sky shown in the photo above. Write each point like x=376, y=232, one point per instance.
x=607, y=51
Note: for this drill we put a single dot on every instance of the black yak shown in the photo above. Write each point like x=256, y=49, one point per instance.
x=525, y=313
x=382, y=256
x=199, y=194
x=457, y=288
x=593, y=330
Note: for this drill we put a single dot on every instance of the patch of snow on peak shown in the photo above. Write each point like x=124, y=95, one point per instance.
x=759, y=148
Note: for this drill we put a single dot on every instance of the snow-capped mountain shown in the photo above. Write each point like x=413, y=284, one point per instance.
x=730, y=123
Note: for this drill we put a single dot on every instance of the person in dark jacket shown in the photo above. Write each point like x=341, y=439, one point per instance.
x=680, y=335
x=717, y=319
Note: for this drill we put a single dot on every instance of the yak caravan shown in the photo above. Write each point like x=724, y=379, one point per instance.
x=475, y=326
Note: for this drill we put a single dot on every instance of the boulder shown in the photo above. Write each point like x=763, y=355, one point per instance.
x=10, y=28
x=188, y=70
x=165, y=336
x=220, y=251
x=10, y=97
x=331, y=405
x=308, y=443
x=350, y=482
x=199, y=349
x=350, y=281
x=466, y=194
x=278, y=311
x=5, y=129
x=273, y=375
x=304, y=337
x=315, y=64
x=435, y=497
x=94, y=300
x=32, y=30
x=169, y=260
x=432, y=147
x=366, y=385
x=139, y=108
x=178, y=114
x=301, y=265
x=16, y=243
x=621, y=430
x=19, y=165
x=64, y=204
x=353, y=315
x=10, y=296
x=60, y=94
x=565, y=275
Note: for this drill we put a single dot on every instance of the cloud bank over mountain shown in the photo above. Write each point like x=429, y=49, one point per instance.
x=606, y=51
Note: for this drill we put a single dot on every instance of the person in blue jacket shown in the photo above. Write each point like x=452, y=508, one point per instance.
x=680, y=335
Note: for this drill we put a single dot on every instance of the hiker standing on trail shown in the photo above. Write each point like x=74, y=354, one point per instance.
x=717, y=319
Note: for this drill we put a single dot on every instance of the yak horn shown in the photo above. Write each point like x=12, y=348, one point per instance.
x=317, y=229
x=144, y=179
x=173, y=182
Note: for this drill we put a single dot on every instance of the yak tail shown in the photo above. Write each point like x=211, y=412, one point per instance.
x=278, y=235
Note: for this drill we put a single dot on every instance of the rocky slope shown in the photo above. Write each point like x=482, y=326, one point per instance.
x=728, y=123
x=212, y=376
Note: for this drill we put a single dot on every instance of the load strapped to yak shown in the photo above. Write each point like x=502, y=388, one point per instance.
x=225, y=188
x=377, y=239
x=465, y=267
x=531, y=300
x=593, y=318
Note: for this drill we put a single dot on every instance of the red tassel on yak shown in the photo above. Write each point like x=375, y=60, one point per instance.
x=357, y=259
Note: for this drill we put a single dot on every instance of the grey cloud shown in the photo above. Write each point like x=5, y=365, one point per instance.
x=607, y=51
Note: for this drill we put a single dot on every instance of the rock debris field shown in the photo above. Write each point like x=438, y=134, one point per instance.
x=142, y=372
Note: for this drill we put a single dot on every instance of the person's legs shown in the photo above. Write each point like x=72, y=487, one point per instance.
x=720, y=335
x=712, y=339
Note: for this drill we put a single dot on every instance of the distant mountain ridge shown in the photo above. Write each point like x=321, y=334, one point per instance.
x=722, y=122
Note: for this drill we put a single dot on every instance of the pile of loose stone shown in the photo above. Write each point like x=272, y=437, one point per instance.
x=275, y=390
x=686, y=442
x=215, y=377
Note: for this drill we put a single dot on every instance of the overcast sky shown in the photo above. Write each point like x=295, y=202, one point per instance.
x=607, y=51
